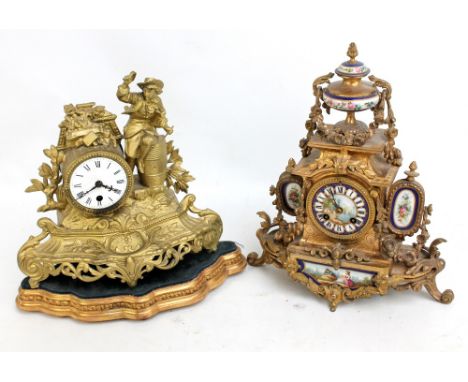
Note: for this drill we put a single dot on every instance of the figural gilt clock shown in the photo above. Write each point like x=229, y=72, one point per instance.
x=120, y=232
x=351, y=216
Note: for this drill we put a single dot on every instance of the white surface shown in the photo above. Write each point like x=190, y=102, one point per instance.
x=238, y=101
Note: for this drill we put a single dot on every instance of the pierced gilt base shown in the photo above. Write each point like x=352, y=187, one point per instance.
x=159, y=291
x=326, y=271
x=153, y=230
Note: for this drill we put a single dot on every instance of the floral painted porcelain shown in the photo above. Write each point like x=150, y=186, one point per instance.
x=355, y=69
x=352, y=93
x=404, y=208
x=350, y=104
x=292, y=195
x=406, y=200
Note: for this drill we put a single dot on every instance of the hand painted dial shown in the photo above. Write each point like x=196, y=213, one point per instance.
x=340, y=208
x=99, y=183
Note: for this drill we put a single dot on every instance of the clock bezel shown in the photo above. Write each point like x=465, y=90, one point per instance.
x=355, y=184
x=95, y=154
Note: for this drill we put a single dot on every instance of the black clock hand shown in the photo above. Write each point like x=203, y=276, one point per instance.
x=337, y=206
x=110, y=188
x=87, y=192
x=96, y=185
x=333, y=199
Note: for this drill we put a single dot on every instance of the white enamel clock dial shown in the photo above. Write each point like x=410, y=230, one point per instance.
x=99, y=183
x=341, y=208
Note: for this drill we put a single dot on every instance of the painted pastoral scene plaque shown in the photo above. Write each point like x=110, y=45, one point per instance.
x=326, y=275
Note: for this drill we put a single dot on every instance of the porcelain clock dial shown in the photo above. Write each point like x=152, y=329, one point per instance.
x=99, y=182
x=341, y=208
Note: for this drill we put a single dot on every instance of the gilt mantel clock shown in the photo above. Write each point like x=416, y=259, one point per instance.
x=121, y=232
x=350, y=215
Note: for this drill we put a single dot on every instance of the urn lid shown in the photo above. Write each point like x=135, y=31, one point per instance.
x=352, y=87
x=352, y=67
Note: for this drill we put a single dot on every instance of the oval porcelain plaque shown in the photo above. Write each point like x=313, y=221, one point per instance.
x=292, y=195
x=404, y=208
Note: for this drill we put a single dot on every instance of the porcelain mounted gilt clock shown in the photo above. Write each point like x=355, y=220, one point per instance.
x=119, y=237
x=351, y=216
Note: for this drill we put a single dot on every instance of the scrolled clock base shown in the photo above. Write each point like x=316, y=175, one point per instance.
x=158, y=291
x=339, y=274
x=124, y=245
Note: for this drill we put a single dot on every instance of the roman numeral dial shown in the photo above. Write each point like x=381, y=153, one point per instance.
x=340, y=207
x=98, y=183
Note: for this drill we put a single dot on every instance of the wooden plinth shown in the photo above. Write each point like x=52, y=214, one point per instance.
x=75, y=299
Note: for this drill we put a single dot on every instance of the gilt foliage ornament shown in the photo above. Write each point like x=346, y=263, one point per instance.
x=110, y=222
x=348, y=237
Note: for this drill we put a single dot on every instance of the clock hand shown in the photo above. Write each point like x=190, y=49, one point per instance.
x=110, y=188
x=337, y=206
x=96, y=185
x=87, y=192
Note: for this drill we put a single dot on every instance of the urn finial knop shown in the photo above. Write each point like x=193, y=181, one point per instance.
x=352, y=52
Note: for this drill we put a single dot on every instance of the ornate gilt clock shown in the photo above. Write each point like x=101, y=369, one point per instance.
x=121, y=231
x=351, y=216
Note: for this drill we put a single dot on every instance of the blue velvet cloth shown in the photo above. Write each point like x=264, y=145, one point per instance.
x=189, y=268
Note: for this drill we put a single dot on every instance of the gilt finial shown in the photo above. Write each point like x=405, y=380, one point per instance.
x=352, y=52
x=412, y=174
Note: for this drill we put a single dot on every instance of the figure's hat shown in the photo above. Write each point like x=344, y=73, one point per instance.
x=151, y=82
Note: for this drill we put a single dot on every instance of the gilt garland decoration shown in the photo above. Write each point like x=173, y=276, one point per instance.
x=346, y=153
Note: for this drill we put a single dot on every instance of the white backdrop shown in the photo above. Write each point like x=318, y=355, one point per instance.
x=238, y=100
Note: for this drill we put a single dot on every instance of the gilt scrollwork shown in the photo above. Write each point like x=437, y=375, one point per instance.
x=339, y=252
x=124, y=255
x=270, y=248
x=274, y=236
